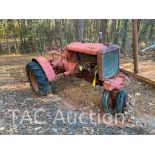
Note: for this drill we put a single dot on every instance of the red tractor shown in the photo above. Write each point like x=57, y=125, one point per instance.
x=94, y=62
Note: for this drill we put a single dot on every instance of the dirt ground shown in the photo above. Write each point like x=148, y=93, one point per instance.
x=71, y=94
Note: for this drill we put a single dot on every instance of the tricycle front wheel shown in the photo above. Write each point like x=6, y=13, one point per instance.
x=121, y=101
x=106, y=100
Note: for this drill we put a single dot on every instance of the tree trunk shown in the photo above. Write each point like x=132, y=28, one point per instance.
x=135, y=44
x=124, y=37
x=20, y=33
x=81, y=30
x=103, y=28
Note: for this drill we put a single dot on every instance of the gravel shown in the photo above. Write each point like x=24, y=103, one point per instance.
x=16, y=95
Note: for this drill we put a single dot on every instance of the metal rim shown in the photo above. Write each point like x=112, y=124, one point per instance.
x=33, y=81
x=121, y=101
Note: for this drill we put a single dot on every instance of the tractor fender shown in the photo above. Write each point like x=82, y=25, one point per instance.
x=46, y=66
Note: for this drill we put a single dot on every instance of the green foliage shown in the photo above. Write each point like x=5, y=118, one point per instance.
x=34, y=35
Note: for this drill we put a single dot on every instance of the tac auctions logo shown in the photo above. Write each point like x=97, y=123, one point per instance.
x=41, y=116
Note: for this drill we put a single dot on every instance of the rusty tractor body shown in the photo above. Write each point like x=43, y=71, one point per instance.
x=94, y=62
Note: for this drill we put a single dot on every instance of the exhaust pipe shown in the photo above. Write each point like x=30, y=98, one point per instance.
x=100, y=34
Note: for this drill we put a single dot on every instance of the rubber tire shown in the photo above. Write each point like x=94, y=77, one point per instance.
x=121, y=101
x=40, y=77
x=106, y=100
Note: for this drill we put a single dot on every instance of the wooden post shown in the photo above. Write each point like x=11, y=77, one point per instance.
x=135, y=44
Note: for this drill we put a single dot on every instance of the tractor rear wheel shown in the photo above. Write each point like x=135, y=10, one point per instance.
x=37, y=78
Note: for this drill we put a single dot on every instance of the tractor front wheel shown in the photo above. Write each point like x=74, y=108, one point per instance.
x=37, y=78
x=106, y=100
x=121, y=101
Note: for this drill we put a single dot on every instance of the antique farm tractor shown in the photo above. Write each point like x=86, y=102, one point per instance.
x=94, y=62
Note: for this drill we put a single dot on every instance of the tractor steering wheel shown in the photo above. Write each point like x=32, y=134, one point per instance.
x=55, y=53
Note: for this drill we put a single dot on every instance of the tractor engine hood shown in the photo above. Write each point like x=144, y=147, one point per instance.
x=91, y=48
x=87, y=48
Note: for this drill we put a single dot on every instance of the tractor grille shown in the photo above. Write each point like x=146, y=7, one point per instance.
x=110, y=64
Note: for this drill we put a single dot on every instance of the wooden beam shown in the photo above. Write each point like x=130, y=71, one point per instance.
x=146, y=71
x=138, y=76
x=135, y=44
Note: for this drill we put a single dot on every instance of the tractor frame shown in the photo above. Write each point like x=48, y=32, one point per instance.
x=94, y=62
